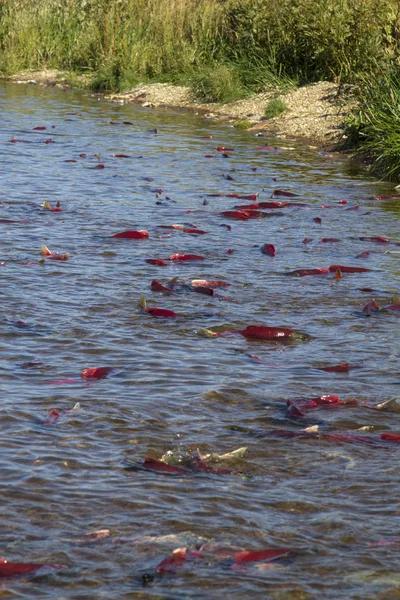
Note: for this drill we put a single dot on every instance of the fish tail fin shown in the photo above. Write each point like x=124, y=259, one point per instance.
x=395, y=299
x=45, y=251
x=173, y=281
x=142, y=302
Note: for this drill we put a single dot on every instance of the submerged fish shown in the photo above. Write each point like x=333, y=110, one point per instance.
x=13, y=569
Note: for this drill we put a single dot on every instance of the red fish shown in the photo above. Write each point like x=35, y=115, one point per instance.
x=284, y=193
x=262, y=332
x=161, y=312
x=327, y=240
x=183, y=257
x=390, y=437
x=334, y=268
x=296, y=407
x=57, y=256
x=156, y=286
x=200, y=465
x=349, y=438
x=159, y=262
x=210, y=284
x=39, y=128
x=12, y=569
x=54, y=415
x=207, y=291
x=363, y=254
x=245, y=207
x=48, y=206
x=393, y=196
x=121, y=155
x=259, y=332
x=378, y=238
x=273, y=204
x=96, y=372
x=251, y=197
x=141, y=234
x=13, y=221
x=370, y=307
x=268, y=249
x=240, y=215
x=307, y=240
x=342, y=368
x=393, y=306
x=157, y=312
x=172, y=562
x=153, y=464
x=262, y=555
x=15, y=140
x=52, y=256
x=305, y=272
x=194, y=231
x=317, y=220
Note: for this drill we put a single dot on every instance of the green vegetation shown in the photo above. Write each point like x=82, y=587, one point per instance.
x=274, y=108
x=217, y=83
x=260, y=42
x=225, y=49
x=374, y=129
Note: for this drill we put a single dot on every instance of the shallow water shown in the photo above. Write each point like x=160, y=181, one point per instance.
x=171, y=389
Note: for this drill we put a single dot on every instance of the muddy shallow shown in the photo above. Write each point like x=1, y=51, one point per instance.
x=334, y=503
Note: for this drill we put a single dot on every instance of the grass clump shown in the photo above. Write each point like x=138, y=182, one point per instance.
x=274, y=108
x=113, y=76
x=373, y=129
x=217, y=83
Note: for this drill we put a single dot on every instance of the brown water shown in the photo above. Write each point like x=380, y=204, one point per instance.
x=334, y=503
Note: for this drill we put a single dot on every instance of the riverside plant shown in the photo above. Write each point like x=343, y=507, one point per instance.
x=274, y=108
x=373, y=129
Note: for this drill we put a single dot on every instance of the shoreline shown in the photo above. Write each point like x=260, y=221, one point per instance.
x=315, y=113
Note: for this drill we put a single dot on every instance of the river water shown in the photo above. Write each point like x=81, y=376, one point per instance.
x=333, y=502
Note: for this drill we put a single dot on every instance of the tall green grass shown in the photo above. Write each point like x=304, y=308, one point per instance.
x=316, y=39
x=150, y=38
x=373, y=129
x=304, y=40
